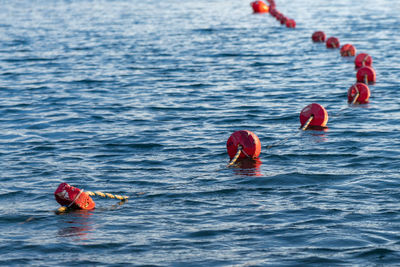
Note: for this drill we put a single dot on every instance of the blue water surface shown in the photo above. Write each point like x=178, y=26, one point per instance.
x=139, y=98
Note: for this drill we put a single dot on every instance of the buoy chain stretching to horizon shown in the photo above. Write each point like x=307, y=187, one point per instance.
x=261, y=7
x=244, y=144
x=313, y=116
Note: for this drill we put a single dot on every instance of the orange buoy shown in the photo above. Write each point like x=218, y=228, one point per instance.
x=332, y=42
x=259, y=7
x=251, y=146
x=313, y=116
x=290, y=23
x=363, y=59
x=348, y=50
x=318, y=37
x=366, y=75
x=358, y=93
x=73, y=197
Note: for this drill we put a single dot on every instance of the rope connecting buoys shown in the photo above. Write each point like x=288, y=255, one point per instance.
x=348, y=50
x=332, y=42
x=314, y=117
x=259, y=7
x=366, y=75
x=74, y=198
x=243, y=144
x=318, y=37
x=70, y=197
x=363, y=59
x=101, y=194
x=358, y=94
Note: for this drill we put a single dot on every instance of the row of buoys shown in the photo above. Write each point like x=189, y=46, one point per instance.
x=261, y=7
x=359, y=92
x=245, y=144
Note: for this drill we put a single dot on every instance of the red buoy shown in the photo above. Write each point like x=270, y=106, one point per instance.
x=259, y=7
x=290, y=23
x=332, y=42
x=366, y=75
x=348, y=50
x=313, y=116
x=363, y=59
x=283, y=19
x=279, y=15
x=73, y=197
x=358, y=93
x=251, y=146
x=318, y=37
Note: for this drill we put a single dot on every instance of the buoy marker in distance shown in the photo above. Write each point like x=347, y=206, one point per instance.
x=318, y=37
x=332, y=42
x=243, y=144
x=259, y=7
x=313, y=117
x=363, y=59
x=290, y=23
x=366, y=75
x=358, y=93
x=348, y=50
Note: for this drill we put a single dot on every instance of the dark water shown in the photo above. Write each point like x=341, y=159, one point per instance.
x=139, y=98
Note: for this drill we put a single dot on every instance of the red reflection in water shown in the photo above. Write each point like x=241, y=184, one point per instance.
x=248, y=167
x=76, y=223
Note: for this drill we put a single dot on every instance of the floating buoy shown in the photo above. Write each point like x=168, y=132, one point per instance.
x=313, y=116
x=358, y=94
x=259, y=7
x=318, y=37
x=366, y=75
x=290, y=23
x=279, y=16
x=283, y=20
x=73, y=197
x=332, y=42
x=348, y=50
x=363, y=59
x=247, y=141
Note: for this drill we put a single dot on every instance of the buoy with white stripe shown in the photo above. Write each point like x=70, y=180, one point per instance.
x=243, y=144
x=73, y=198
x=366, y=75
x=313, y=117
x=358, y=94
x=318, y=37
x=363, y=59
x=348, y=50
x=332, y=42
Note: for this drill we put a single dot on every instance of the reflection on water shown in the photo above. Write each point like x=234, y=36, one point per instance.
x=248, y=167
x=77, y=223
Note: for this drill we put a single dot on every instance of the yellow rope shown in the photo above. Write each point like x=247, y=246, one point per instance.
x=356, y=96
x=62, y=210
x=233, y=161
x=304, y=127
x=101, y=194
